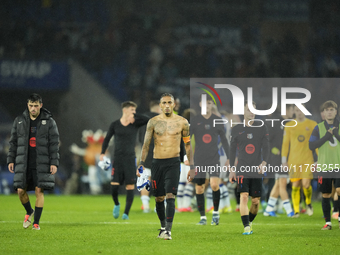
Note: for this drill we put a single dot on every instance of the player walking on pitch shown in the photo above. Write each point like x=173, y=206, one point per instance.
x=300, y=159
x=33, y=156
x=167, y=130
x=124, y=160
x=253, y=144
x=207, y=156
x=326, y=138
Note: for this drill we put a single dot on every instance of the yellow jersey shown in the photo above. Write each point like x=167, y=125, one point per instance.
x=295, y=144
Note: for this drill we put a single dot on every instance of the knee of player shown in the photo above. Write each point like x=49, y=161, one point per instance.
x=200, y=189
x=244, y=197
x=39, y=192
x=21, y=192
x=255, y=200
x=214, y=186
x=326, y=195
x=305, y=185
x=159, y=199
x=130, y=187
x=170, y=195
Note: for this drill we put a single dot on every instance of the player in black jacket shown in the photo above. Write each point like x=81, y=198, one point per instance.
x=251, y=138
x=124, y=159
x=33, y=156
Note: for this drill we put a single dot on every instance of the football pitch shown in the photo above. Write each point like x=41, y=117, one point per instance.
x=85, y=225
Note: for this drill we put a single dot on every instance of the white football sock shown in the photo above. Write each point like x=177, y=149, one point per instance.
x=271, y=204
x=287, y=206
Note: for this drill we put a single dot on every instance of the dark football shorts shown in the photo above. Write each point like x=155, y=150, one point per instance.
x=205, y=171
x=124, y=170
x=326, y=184
x=253, y=186
x=165, y=176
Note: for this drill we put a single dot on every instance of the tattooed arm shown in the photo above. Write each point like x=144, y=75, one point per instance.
x=146, y=145
x=186, y=133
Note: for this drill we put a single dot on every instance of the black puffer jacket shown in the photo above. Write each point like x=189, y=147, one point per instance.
x=47, y=148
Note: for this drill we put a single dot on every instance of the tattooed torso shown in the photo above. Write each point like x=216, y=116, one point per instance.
x=167, y=134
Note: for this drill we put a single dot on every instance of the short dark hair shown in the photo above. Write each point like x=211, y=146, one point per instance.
x=34, y=97
x=153, y=103
x=167, y=95
x=328, y=104
x=127, y=104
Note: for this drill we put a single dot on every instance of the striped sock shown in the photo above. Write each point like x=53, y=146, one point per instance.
x=287, y=206
x=188, y=194
x=209, y=198
x=222, y=198
x=271, y=203
x=180, y=195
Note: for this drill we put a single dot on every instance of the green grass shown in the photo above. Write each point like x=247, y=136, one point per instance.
x=84, y=225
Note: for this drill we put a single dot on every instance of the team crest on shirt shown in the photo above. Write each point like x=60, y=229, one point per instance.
x=301, y=138
x=207, y=126
x=43, y=122
x=250, y=136
x=307, y=128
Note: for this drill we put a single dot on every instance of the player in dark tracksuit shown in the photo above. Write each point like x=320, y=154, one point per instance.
x=252, y=140
x=125, y=131
x=206, y=154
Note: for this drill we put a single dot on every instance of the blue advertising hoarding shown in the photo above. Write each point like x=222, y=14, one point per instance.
x=42, y=75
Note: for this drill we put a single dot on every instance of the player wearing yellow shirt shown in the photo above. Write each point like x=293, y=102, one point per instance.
x=297, y=156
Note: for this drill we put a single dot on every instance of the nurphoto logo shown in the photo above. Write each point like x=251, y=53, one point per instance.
x=238, y=100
